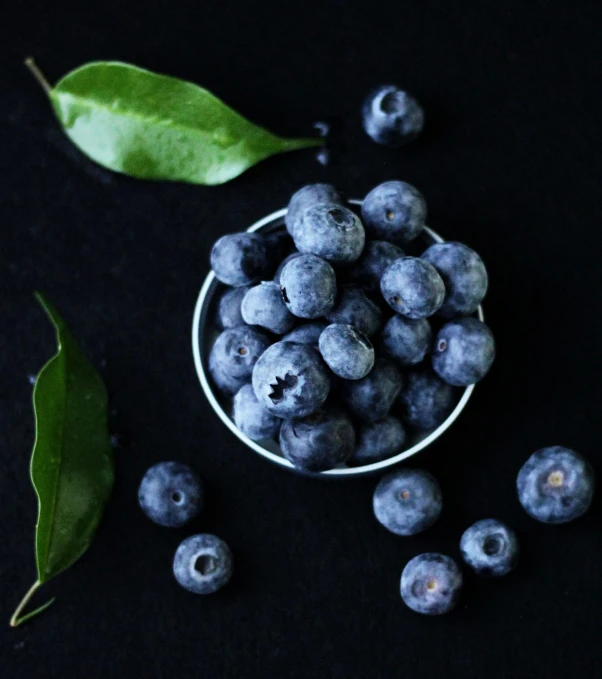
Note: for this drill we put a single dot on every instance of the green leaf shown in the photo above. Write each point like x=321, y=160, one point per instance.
x=72, y=461
x=157, y=127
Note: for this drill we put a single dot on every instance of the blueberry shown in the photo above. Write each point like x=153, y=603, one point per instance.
x=378, y=441
x=306, y=197
x=490, y=548
x=406, y=340
x=309, y=286
x=463, y=352
x=464, y=275
x=228, y=309
x=308, y=333
x=555, y=485
x=171, y=494
x=237, y=349
x=370, y=267
x=407, y=501
x=291, y=380
x=431, y=583
x=371, y=398
x=332, y=232
x=252, y=418
x=282, y=264
x=426, y=401
x=279, y=245
x=392, y=117
x=263, y=306
x=412, y=287
x=394, y=211
x=203, y=564
x=240, y=259
x=347, y=352
x=227, y=384
x=354, y=308
x=318, y=442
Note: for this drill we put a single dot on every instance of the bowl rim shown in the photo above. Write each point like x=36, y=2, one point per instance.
x=268, y=454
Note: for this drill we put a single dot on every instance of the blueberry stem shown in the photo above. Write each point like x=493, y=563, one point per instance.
x=17, y=619
x=38, y=75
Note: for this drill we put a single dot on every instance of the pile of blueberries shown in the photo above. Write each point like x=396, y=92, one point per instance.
x=334, y=341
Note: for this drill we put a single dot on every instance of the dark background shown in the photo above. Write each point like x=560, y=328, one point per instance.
x=510, y=162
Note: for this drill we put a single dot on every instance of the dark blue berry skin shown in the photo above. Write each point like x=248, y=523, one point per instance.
x=353, y=307
x=378, y=441
x=306, y=197
x=291, y=380
x=171, y=494
x=425, y=400
x=406, y=340
x=228, y=309
x=240, y=259
x=395, y=212
x=279, y=245
x=463, y=351
x=332, y=232
x=227, y=384
x=370, y=267
x=203, y=564
x=237, y=349
x=392, y=117
x=490, y=548
x=412, y=287
x=371, y=398
x=431, y=584
x=464, y=275
x=407, y=501
x=556, y=485
x=319, y=442
x=309, y=286
x=263, y=306
x=347, y=352
x=252, y=418
x=308, y=333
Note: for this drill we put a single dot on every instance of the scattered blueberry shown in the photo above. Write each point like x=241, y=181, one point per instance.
x=237, y=349
x=426, y=401
x=203, y=564
x=263, y=306
x=556, y=485
x=392, y=117
x=252, y=418
x=240, y=259
x=375, y=259
x=228, y=309
x=330, y=231
x=463, y=352
x=308, y=333
x=395, y=212
x=291, y=379
x=306, y=197
x=378, y=441
x=464, y=275
x=431, y=584
x=171, y=494
x=371, y=398
x=309, y=286
x=354, y=308
x=406, y=340
x=490, y=548
x=347, y=352
x=407, y=501
x=412, y=287
x=318, y=442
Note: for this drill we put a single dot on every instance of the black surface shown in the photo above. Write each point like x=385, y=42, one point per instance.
x=510, y=163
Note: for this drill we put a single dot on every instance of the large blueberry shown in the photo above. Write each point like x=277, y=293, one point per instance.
x=395, y=212
x=347, y=352
x=263, y=306
x=309, y=286
x=371, y=398
x=332, y=232
x=431, y=583
x=308, y=333
x=283, y=263
x=228, y=308
x=203, y=564
x=464, y=275
x=556, y=485
x=426, y=400
x=392, y=117
x=412, y=287
x=227, y=384
x=463, y=351
x=490, y=548
x=291, y=379
x=306, y=197
x=370, y=267
x=237, y=349
x=406, y=340
x=354, y=308
x=318, y=442
x=407, y=501
x=252, y=417
x=171, y=494
x=378, y=441
x=240, y=259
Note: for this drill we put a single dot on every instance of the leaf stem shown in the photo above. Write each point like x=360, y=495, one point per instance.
x=38, y=75
x=17, y=619
x=295, y=143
